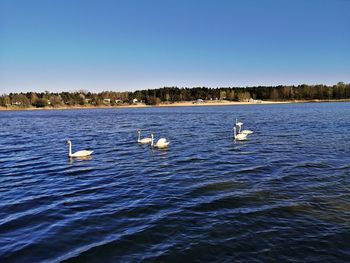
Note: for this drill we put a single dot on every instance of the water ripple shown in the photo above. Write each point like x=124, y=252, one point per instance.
x=282, y=195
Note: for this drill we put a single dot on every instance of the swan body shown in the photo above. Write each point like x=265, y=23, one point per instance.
x=246, y=132
x=144, y=140
x=82, y=153
x=239, y=136
x=161, y=143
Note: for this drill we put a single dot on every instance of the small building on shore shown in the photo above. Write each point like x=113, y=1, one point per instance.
x=251, y=100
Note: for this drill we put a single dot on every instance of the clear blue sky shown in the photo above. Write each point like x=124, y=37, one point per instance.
x=66, y=45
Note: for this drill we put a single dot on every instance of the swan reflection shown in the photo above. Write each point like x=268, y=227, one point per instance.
x=82, y=158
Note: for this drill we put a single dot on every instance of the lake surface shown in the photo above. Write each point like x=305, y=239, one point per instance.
x=282, y=195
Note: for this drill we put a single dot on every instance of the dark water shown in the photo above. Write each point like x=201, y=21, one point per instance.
x=283, y=195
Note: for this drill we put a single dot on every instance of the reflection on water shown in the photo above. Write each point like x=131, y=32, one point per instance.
x=81, y=158
x=282, y=195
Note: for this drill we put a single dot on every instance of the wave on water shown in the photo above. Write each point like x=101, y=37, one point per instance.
x=282, y=195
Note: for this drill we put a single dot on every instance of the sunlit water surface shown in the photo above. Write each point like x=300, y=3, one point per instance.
x=282, y=195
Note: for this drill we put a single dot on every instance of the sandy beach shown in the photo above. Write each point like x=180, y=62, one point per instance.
x=218, y=103
x=142, y=105
x=175, y=104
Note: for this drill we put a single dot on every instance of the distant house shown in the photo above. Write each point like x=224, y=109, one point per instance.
x=134, y=101
x=106, y=101
x=254, y=101
x=16, y=103
x=118, y=102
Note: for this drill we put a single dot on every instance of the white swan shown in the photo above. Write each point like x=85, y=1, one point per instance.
x=239, y=125
x=144, y=140
x=161, y=143
x=239, y=136
x=82, y=153
x=244, y=131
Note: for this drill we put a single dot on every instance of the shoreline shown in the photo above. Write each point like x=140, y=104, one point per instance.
x=175, y=104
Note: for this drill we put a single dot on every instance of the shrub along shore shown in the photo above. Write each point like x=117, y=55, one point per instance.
x=174, y=96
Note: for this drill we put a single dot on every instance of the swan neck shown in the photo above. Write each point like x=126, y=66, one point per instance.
x=234, y=132
x=70, y=149
x=139, y=136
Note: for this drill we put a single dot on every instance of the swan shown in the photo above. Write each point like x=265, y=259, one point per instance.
x=82, y=153
x=161, y=143
x=239, y=136
x=144, y=140
x=240, y=124
x=244, y=131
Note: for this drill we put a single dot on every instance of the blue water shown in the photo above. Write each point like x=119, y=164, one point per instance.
x=282, y=195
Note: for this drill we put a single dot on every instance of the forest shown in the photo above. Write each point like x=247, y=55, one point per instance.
x=340, y=91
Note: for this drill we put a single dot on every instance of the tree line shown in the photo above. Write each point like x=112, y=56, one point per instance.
x=175, y=94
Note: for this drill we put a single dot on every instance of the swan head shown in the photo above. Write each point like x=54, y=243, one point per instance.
x=138, y=130
x=69, y=141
